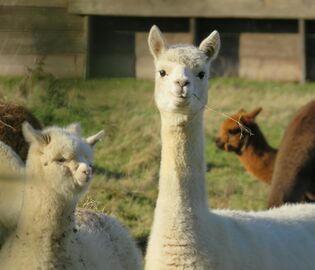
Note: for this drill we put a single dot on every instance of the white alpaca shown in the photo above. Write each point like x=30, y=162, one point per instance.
x=11, y=186
x=185, y=234
x=48, y=234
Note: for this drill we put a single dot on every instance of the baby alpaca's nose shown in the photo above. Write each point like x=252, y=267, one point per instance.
x=85, y=169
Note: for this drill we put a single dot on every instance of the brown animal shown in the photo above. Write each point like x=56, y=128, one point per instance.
x=293, y=179
x=11, y=119
x=254, y=152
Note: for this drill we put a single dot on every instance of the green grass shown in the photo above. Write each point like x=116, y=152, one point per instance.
x=127, y=160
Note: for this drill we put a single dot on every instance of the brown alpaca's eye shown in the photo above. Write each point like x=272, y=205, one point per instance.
x=201, y=75
x=234, y=131
x=162, y=73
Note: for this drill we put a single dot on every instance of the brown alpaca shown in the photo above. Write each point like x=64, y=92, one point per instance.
x=11, y=119
x=293, y=179
x=254, y=152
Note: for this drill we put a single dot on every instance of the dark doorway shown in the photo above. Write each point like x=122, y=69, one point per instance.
x=112, y=42
x=310, y=50
x=111, y=49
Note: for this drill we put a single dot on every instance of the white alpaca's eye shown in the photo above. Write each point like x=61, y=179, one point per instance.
x=162, y=73
x=201, y=75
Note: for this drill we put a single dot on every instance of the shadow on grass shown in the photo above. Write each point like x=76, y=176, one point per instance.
x=210, y=166
x=108, y=173
x=142, y=242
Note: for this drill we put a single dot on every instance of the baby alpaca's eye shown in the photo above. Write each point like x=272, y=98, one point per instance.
x=162, y=73
x=61, y=160
x=201, y=75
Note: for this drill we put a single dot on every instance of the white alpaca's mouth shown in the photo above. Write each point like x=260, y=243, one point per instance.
x=83, y=181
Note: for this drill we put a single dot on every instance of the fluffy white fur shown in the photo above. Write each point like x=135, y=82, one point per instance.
x=185, y=234
x=11, y=186
x=48, y=234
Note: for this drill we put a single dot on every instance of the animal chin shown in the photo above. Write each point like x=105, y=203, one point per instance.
x=82, y=181
x=182, y=101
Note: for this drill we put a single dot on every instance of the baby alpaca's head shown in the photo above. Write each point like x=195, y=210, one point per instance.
x=60, y=159
x=182, y=72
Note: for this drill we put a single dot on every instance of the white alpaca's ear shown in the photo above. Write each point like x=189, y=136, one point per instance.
x=156, y=42
x=92, y=140
x=74, y=128
x=31, y=135
x=211, y=45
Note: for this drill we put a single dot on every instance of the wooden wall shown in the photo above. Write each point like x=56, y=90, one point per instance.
x=270, y=56
x=310, y=50
x=197, y=8
x=32, y=29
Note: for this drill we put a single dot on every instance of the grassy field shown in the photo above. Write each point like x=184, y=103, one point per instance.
x=127, y=160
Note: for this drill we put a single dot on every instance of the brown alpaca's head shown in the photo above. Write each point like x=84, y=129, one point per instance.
x=231, y=137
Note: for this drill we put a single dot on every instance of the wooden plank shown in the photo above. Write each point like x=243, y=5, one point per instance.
x=286, y=46
x=41, y=42
x=270, y=57
x=87, y=51
x=193, y=29
x=270, y=69
x=302, y=52
x=26, y=18
x=34, y=3
x=62, y=65
x=200, y=8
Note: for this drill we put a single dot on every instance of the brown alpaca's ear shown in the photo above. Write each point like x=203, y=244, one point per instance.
x=242, y=111
x=244, y=119
x=254, y=113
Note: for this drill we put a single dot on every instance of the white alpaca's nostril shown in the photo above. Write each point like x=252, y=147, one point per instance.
x=183, y=82
x=85, y=169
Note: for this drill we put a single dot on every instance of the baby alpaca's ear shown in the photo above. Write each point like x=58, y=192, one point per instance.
x=74, y=128
x=92, y=140
x=156, y=42
x=31, y=135
x=254, y=113
x=211, y=45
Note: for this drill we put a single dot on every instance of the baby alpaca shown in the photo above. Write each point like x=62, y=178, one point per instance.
x=253, y=151
x=58, y=172
x=185, y=234
x=293, y=179
x=11, y=119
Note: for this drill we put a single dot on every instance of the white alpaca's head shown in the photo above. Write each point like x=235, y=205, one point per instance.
x=60, y=158
x=182, y=72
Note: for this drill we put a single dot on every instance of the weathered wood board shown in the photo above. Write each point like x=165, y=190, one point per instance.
x=266, y=56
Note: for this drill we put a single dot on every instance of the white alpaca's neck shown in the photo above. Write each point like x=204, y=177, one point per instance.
x=182, y=172
x=182, y=201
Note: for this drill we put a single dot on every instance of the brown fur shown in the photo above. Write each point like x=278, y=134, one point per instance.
x=11, y=119
x=254, y=152
x=294, y=173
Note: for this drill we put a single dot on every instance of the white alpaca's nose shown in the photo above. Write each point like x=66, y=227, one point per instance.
x=180, y=88
x=85, y=169
x=183, y=82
